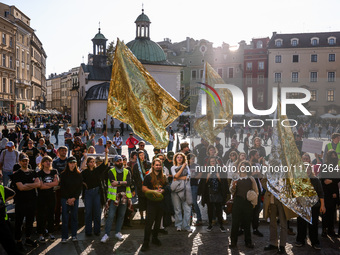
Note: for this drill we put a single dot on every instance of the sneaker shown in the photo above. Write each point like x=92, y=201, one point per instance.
x=105, y=238
x=64, y=240
x=74, y=239
x=119, y=236
x=222, y=229
x=42, y=239
x=31, y=243
x=209, y=228
x=21, y=247
x=145, y=247
x=258, y=233
x=298, y=244
x=317, y=246
x=156, y=241
x=198, y=223
x=51, y=238
x=179, y=229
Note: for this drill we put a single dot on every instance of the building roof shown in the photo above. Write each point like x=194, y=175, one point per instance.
x=98, y=92
x=99, y=36
x=304, y=40
x=146, y=50
x=97, y=73
x=142, y=18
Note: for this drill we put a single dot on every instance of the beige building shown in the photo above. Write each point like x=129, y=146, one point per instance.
x=7, y=66
x=30, y=61
x=308, y=60
x=56, y=92
x=49, y=94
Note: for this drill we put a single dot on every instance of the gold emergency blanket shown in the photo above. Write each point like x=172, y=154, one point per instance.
x=224, y=110
x=137, y=99
x=291, y=185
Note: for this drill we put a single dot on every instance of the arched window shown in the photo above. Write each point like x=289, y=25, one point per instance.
x=278, y=42
x=315, y=41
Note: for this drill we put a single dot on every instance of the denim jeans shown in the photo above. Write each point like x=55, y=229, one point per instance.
x=93, y=210
x=68, y=211
x=56, y=138
x=120, y=217
x=170, y=145
x=119, y=151
x=181, y=221
x=5, y=177
x=194, y=190
x=68, y=150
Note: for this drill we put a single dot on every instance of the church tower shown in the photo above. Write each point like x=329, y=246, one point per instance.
x=99, y=50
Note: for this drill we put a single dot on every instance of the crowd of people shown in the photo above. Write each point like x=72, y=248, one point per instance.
x=47, y=184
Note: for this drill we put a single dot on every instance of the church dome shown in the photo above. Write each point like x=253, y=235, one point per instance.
x=142, y=47
x=99, y=36
x=147, y=50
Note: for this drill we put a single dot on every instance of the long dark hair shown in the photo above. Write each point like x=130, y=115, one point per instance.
x=159, y=179
x=329, y=159
x=68, y=171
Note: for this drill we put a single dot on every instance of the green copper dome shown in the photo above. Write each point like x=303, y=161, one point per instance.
x=99, y=36
x=143, y=17
x=146, y=50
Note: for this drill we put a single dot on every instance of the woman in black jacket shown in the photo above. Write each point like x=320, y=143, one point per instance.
x=331, y=194
x=71, y=183
x=214, y=194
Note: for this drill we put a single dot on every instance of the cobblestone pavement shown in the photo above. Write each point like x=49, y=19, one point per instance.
x=200, y=242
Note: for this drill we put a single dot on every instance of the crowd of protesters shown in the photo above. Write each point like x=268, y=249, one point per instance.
x=47, y=184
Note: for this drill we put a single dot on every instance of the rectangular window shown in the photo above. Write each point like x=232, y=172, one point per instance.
x=4, y=60
x=330, y=95
x=313, y=95
x=11, y=42
x=331, y=57
x=193, y=74
x=249, y=66
x=314, y=58
x=4, y=90
x=3, y=38
x=331, y=76
x=277, y=77
x=261, y=65
x=11, y=86
x=231, y=72
x=295, y=77
x=220, y=72
x=248, y=79
x=260, y=79
x=278, y=59
x=23, y=56
x=295, y=58
x=313, y=76
x=201, y=73
x=182, y=75
x=10, y=62
x=260, y=96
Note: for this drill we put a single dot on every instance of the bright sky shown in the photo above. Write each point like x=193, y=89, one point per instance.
x=66, y=27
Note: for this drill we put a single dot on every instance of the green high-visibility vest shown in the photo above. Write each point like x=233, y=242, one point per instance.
x=329, y=146
x=112, y=191
x=2, y=192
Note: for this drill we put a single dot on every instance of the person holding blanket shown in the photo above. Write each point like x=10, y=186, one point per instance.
x=181, y=192
x=155, y=181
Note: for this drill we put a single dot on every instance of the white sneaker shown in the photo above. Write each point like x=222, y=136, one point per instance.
x=119, y=236
x=105, y=238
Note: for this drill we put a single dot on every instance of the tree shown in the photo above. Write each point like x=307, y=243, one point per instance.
x=110, y=51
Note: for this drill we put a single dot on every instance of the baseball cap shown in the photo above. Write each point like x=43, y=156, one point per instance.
x=170, y=155
x=10, y=144
x=23, y=156
x=71, y=160
x=116, y=158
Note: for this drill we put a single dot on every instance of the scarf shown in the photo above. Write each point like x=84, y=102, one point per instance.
x=141, y=169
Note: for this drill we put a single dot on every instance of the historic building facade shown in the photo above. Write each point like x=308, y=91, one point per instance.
x=309, y=60
x=29, y=61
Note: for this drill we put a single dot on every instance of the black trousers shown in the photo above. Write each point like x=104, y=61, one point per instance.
x=312, y=228
x=328, y=217
x=6, y=239
x=256, y=214
x=242, y=213
x=217, y=208
x=46, y=206
x=154, y=213
x=24, y=209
